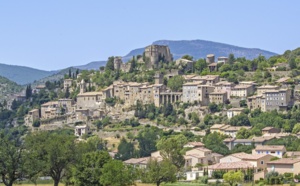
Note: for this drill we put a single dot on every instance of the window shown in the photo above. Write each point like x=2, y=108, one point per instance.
x=267, y=152
x=278, y=152
x=261, y=162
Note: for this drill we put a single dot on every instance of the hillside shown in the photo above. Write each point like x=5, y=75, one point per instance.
x=7, y=88
x=54, y=77
x=200, y=48
x=22, y=75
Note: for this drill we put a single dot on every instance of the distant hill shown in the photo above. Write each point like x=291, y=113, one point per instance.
x=92, y=65
x=22, y=75
x=7, y=88
x=54, y=77
x=200, y=48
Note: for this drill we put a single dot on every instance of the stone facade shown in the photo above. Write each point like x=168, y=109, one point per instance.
x=271, y=100
x=242, y=91
x=218, y=97
x=157, y=53
x=194, y=91
x=67, y=83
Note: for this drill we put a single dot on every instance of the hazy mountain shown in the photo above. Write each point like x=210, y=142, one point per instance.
x=92, y=65
x=22, y=75
x=200, y=48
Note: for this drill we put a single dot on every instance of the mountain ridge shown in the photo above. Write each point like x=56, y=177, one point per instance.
x=196, y=48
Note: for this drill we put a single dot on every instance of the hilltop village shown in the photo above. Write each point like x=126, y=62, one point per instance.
x=224, y=113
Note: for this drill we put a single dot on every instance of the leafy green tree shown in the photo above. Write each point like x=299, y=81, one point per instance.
x=200, y=65
x=115, y=173
x=243, y=148
x=243, y=133
x=14, y=105
x=36, y=123
x=147, y=139
x=87, y=171
x=28, y=91
x=188, y=57
x=243, y=103
x=292, y=63
x=232, y=177
x=53, y=152
x=110, y=64
x=67, y=93
x=175, y=83
x=240, y=120
x=170, y=148
x=12, y=158
x=231, y=59
x=159, y=172
x=126, y=150
x=296, y=128
x=195, y=118
x=214, y=142
x=213, y=107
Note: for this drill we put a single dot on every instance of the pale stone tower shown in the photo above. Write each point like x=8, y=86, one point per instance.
x=210, y=58
x=159, y=78
x=82, y=87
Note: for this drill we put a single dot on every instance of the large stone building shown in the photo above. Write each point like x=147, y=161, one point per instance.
x=196, y=92
x=242, y=91
x=218, y=97
x=271, y=99
x=157, y=53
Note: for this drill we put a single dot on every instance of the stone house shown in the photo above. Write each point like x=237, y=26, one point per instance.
x=81, y=130
x=194, y=91
x=242, y=91
x=196, y=156
x=224, y=86
x=50, y=110
x=213, y=67
x=32, y=116
x=67, y=83
x=264, y=88
x=258, y=161
x=138, y=162
x=234, y=111
x=218, y=97
x=222, y=59
x=219, y=128
x=232, y=130
x=271, y=100
x=274, y=150
x=90, y=100
x=284, y=165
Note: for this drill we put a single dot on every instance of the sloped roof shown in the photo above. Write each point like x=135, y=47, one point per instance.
x=270, y=147
x=231, y=165
x=284, y=161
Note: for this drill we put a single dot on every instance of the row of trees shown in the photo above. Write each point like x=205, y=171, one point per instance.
x=56, y=154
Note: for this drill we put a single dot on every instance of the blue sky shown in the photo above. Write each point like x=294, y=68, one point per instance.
x=57, y=34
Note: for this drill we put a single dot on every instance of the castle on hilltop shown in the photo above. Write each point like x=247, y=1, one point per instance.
x=157, y=53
